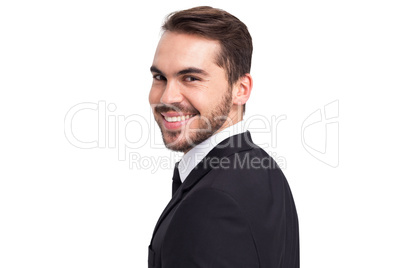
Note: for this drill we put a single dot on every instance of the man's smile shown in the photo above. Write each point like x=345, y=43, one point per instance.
x=174, y=120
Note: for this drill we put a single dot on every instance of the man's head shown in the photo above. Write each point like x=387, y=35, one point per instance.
x=236, y=46
x=201, y=75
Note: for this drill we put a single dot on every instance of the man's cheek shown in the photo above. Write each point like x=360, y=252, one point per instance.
x=154, y=97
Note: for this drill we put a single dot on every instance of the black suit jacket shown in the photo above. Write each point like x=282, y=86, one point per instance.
x=235, y=209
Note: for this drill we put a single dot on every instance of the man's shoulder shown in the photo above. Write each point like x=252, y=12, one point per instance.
x=254, y=160
x=243, y=174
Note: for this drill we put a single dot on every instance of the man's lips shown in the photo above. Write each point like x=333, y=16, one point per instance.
x=174, y=120
x=176, y=117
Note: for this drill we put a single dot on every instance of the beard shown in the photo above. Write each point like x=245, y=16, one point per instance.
x=186, y=138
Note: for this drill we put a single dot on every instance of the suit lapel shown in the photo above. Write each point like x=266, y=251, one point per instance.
x=229, y=146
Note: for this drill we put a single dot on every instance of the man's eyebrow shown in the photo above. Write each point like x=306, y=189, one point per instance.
x=155, y=70
x=192, y=70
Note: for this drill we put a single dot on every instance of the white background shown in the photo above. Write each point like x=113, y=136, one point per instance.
x=63, y=206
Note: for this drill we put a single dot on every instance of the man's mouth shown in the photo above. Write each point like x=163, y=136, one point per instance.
x=174, y=120
x=178, y=118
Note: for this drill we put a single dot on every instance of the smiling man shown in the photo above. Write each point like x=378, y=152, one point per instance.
x=190, y=89
x=231, y=204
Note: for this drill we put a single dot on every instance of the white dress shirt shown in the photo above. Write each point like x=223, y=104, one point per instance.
x=190, y=160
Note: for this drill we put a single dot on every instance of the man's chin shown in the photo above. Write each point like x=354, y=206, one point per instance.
x=178, y=144
x=184, y=139
x=183, y=142
x=173, y=140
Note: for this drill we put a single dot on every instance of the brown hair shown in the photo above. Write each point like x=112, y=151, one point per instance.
x=216, y=24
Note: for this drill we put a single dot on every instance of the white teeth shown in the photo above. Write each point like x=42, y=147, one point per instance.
x=178, y=118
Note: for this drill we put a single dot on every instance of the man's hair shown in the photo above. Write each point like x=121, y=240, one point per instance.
x=216, y=24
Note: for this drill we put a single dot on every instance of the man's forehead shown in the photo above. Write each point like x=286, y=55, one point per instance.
x=186, y=50
x=186, y=38
x=186, y=45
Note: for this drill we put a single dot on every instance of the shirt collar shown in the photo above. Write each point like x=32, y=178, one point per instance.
x=191, y=159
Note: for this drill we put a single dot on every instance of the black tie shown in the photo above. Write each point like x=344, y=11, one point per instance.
x=176, y=179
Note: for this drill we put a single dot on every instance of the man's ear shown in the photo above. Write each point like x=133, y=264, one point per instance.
x=242, y=89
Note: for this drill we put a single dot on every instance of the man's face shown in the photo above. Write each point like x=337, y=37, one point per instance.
x=190, y=94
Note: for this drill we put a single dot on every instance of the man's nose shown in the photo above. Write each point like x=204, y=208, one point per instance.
x=172, y=93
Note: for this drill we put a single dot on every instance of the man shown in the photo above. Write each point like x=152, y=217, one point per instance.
x=231, y=204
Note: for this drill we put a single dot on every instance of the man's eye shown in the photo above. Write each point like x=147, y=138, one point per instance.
x=190, y=79
x=159, y=77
